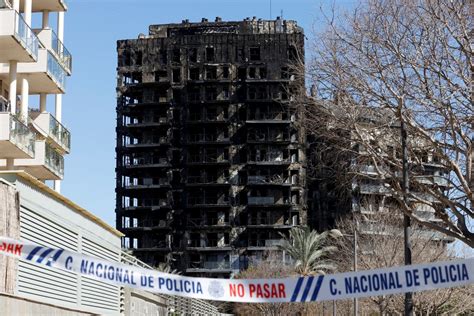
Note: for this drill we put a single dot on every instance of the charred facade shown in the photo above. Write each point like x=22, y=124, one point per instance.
x=210, y=160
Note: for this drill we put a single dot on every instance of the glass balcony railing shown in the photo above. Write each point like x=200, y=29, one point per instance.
x=59, y=133
x=21, y=136
x=56, y=71
x=26, y=36
x=53, y=160
x=65, y=57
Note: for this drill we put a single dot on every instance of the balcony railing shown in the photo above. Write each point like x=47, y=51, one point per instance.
x=262, y=200
x=196, y=138
x=219, y=265
x=274, y=242
x=22, y=136
x=208, y=180
x=59, y=133
x=65, y=57
x=274, y=179
x=56, y=71
x=207, y=201
x=264, y=116
x=54, y=160
x=25, y=35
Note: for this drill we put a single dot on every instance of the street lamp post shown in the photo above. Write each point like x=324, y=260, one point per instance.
x=356, y=302
x=354, y=267
x=406, y=218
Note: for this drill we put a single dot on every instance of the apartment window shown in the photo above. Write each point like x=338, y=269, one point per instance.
x=126, y=58
x=240, y=54
x=242, y=73
x=284, y=94
x=252, y=93
x=194, y=95
x=292, y=53
x=225, y=72
x=262, y=93
x=163, y=56
x=254, y=53
x=138, y=59
x=252, y=73
x=131, y=78
x=211, y=73
x=176, y=75
x=176, y=55
x=211, y=94
x=177, y=95
x=193, y=55
x=194, y=73
x=263, y=73
x=210, y=54
x=161, y=75
x=225, y=93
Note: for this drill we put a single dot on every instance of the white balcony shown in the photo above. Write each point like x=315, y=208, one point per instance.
x=51, y=41
x=17, y=41
x=48, y=5
x=16, y=139
x=47, y=75
x=48, y=164
x=46, y=124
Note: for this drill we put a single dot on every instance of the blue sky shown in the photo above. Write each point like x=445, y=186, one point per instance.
x=92, y=28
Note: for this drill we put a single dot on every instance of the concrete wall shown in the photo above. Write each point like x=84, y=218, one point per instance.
x=141, y=303
x=12, y=305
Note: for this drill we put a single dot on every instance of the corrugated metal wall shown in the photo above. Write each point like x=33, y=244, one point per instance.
x=96, y=293
x=60, y=286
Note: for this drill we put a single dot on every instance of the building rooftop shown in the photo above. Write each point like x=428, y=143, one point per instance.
x=24, y=176
x=246, y=27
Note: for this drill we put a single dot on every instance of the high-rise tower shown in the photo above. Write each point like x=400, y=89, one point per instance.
x=210, y=160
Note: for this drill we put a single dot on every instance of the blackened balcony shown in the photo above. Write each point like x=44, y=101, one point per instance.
x=201, y=159
x=198, y=138
x=211, y=266
x=147, y=162
x=208, y=201
x=268, y=180
x=207, y=180
x=150, y=142
x=268, y=118
x=161, y=183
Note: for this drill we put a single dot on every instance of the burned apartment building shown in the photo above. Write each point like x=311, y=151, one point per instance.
x=357, y=174
x=210, y=160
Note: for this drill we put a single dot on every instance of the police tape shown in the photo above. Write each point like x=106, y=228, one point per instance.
x=377, y=282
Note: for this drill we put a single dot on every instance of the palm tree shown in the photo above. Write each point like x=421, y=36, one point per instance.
x=310, y=250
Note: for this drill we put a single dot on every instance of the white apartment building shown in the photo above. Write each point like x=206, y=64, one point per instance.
x=34, y=64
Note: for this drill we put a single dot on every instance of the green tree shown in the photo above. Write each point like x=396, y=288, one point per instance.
x=310, y=250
